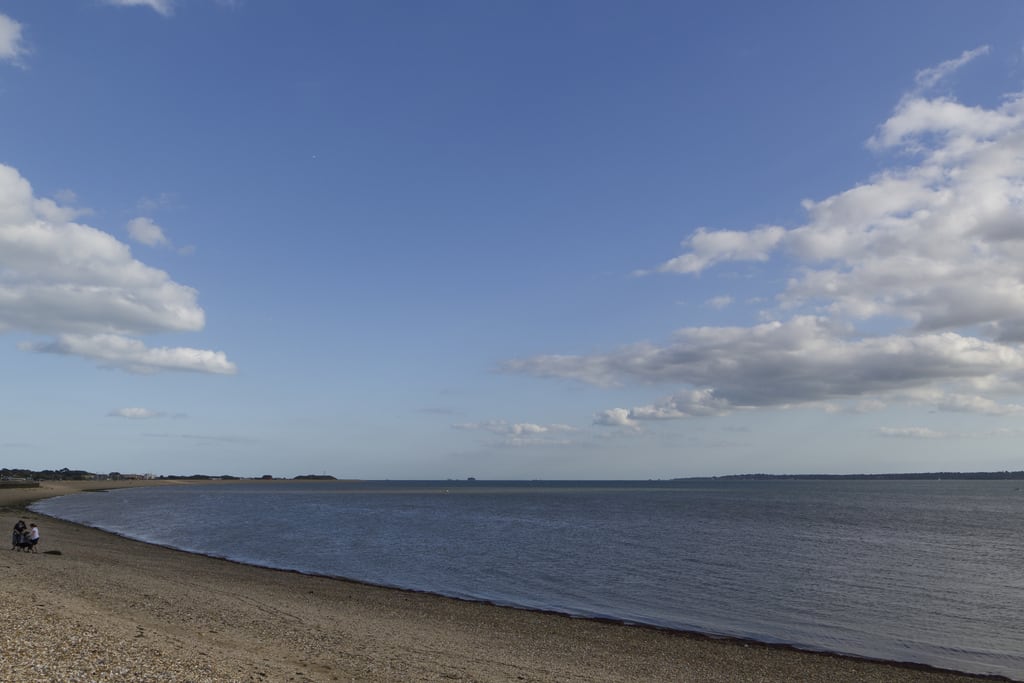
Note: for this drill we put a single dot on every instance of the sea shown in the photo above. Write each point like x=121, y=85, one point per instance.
x=923, y=571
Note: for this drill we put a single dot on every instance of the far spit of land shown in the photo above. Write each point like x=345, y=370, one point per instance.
x=11, y=478
x=894, y=476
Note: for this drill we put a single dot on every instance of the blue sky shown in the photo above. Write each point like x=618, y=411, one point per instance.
x=511, y=240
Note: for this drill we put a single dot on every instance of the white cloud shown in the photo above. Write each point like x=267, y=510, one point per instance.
x=616, y=417
x=800, y=362
x=11, y=46
x=164, y=7
x=145, y=231
x=708, y=247
x=699, y=402
x=966, y=403
x=927, y=78
x=135, y=413
x=81, y=285
x=695, y=403
x=912, y=432
x=939, y=243
x=719, y=302
x=917, y=117
x=803, y=360
x=124, y=353
x=520, y=433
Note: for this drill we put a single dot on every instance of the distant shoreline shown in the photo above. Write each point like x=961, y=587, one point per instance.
x=33, y=479
x=901, y=476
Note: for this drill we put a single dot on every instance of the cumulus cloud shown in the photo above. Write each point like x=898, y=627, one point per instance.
x=80, y=285
x=164, y=7
x=145, y=231
x=906, y=285
x=938, y=243
x=706, y=248
x=695, y=403
x=520, y=433
x=11, y=45
x=616, y=417
x=802, y=360
x=125, y=353
x=135, y=413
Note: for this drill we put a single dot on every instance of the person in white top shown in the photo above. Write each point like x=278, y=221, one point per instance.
x=33, y=536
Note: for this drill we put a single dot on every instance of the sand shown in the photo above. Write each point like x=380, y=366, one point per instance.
x=92, y=606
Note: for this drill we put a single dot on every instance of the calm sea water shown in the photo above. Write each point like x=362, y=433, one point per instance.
x=918, y=571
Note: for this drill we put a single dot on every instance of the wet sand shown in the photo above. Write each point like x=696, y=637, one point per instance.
x=92, y=606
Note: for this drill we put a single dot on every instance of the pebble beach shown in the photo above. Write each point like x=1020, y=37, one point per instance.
x=92, y=606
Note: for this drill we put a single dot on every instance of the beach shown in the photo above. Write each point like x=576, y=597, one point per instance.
x=92, y=606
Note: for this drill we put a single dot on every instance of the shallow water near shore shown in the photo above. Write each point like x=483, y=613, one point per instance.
x=930, y=572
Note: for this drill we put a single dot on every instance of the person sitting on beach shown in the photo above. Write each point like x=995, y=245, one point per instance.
x=33, y=537
x=18, y=535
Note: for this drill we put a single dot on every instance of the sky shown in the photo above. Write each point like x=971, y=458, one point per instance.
x=511, y=240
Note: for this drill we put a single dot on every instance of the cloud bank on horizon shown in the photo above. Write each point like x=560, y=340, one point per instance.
x=906, y=288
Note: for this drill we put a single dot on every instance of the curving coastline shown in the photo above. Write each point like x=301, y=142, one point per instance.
x=109, y=608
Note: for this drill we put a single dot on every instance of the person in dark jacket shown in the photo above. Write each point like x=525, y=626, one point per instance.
x=18, y=534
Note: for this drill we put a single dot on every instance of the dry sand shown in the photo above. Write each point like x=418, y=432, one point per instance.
x=91, y=606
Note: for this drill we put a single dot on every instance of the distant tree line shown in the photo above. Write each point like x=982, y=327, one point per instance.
x=45, y=475
x=65, y=474
x=896, y=476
